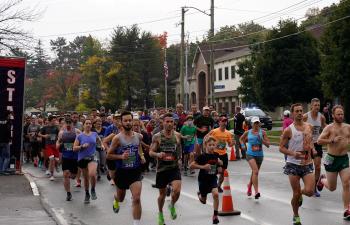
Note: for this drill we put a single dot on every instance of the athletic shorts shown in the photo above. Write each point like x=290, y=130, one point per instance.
x=166, y=177
x=334, y=163
x=35, y=149
x=51, y=151
x=258, y=159
x=298, y=170
x=319, y=151
x=224, y=159
x=83, y=163
x=199, y=141
x=207, y=185
x=188, y=149
x=70, y=164
x=125, y=178
x=110, y=164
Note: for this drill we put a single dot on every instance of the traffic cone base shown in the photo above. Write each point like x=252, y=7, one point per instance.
x=233, y=213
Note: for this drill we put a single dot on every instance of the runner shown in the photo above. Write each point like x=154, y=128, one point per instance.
x=166, y=148
x=299, y=163
x=238, y=121
x=188, y=132
x=209, y=165
x=224, y=137
x=85, y=144
x=318, y=122
x=101, y=154
x=65, y=141
x=50, y=133
x=126, y=151
x=255, y=139
x=33, y=131
x=336, y=136
x=204, y=124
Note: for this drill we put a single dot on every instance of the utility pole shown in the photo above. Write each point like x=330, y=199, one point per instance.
x=182, y=50
x=186, y=75
x=211, y=35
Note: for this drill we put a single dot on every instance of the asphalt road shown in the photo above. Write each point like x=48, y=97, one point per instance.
x=273, y=208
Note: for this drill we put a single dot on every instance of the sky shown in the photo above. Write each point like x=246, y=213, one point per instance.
x=70, y=18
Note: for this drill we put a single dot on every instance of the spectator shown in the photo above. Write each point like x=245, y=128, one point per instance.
x=286, y=119
x=5, y=139
x=327, y=115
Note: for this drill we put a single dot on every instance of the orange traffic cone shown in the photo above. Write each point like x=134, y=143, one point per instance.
x=232, y=155
x=227, y=203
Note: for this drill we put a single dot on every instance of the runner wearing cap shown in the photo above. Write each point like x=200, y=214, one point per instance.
x=204, y=124
x=255, y=139
x=224, y=138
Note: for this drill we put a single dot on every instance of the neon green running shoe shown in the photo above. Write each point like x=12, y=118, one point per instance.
x=115, y=206
x=296, y=220
x=160, y=219
x=172, y=211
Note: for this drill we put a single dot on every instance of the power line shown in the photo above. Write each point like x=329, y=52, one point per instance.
x=286, y=36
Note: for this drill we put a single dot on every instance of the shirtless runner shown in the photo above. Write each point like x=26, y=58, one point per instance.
x=336, y=136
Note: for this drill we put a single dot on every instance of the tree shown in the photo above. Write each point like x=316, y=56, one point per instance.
x=285, y=70
x=335, y=67
x=12, y=17
x=247, y=88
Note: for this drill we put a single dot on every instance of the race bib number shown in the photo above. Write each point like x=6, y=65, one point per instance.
x=256, y=148
x=68, y=146
x=131, y=160
x=52, y=137
x=328, y=160
x=169, y=156
x=221, y=145
x=212, y=170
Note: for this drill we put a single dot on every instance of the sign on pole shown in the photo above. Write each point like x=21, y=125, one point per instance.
x=12, y=74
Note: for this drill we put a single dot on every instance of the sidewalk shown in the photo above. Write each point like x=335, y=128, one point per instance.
x=18, y=205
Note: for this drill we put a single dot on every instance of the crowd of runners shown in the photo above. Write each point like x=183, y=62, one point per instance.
x=125, y=145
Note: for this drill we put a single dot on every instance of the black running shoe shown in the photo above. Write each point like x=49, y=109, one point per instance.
x=93, y=195
x=257, y=195
x=69, y=196
x=215, y=219
x=87, y=198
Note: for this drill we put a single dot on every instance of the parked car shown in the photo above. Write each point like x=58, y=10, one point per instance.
x=266, y=121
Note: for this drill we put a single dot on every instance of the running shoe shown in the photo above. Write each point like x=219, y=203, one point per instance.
x=168, y=190
x=220, y=189
x=319, y=184
x=301, y=200
x=317, y=194
x=346, y=214
x=115, y=206
x=215, y=219
x=185, y=173
x=200, y=198
x=93, y=195
x=69, y=196
x=296, y=220
x=172, y=211
x=47, y=173
x=87, y=198
x=35, y=163
x=257, y=195
x=249, y=190
x=161, y=219
x=78, y=183
x=52, y=178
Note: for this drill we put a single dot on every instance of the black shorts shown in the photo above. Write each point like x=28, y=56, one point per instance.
x=224, y=159
x=110, y=164
x=83, y=163
x=319, y=151
x=124, y=178
x=35, y=148
x=298, y=170
x=166, y=177
x=206, y=185
x=70, y=164
x=258, y=159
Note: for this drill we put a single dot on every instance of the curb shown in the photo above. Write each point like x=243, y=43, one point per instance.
x=47, y=208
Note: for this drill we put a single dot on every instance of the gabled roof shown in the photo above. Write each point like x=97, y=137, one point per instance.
x=236, y=53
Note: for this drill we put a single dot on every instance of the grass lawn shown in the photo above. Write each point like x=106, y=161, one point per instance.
x=273, y=133
x=274, y=140
x=277, y=123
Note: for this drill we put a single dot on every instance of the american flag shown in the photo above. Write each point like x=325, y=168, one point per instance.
x=166, y=73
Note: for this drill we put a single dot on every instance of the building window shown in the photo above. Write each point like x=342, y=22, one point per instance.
x=214, y=75
x=233, y=72
x=226, y=73
x=220, y=74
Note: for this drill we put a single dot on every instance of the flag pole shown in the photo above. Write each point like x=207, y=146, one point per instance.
x=166, y=80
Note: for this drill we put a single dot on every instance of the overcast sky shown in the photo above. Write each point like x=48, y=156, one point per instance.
x=70, y=18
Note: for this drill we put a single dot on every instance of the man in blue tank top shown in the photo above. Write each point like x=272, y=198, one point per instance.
x=126, y=151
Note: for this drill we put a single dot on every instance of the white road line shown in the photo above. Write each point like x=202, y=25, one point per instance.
x=34, y=188
x=244, y=216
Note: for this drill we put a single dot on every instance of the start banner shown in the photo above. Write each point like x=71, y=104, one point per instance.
x=12, y=76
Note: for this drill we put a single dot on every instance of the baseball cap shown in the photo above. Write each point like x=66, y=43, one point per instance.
x=286, y=112
x=255, y=119
x=206, y=108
